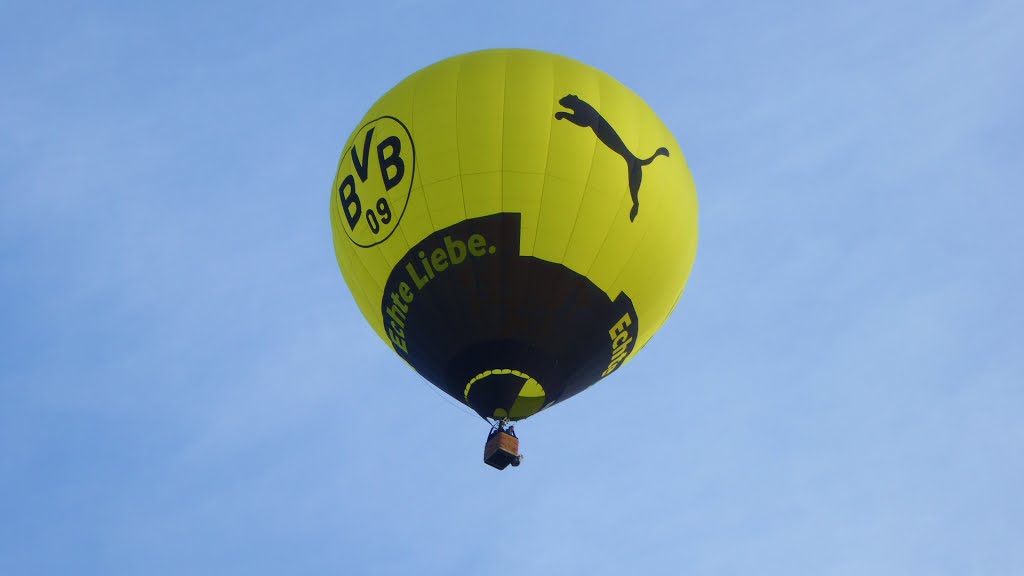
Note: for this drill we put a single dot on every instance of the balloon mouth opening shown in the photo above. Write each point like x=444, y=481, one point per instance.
x=505, y=393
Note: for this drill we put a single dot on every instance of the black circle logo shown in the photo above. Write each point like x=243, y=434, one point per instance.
x=374, y=180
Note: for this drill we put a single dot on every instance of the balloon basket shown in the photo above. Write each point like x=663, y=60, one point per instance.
x=502, y=449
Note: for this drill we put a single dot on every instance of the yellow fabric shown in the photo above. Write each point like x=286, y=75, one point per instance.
x=482, y=138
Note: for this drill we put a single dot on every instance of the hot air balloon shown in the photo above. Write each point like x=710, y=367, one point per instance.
x=515, y=225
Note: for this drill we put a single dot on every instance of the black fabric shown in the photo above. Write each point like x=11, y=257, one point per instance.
x=465, y=301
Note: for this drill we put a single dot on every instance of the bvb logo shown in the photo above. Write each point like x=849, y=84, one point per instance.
x=374, y=180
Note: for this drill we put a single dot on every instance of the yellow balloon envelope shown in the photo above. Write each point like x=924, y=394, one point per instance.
x=516, y=225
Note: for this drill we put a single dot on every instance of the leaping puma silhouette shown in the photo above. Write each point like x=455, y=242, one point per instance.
x=586, y=116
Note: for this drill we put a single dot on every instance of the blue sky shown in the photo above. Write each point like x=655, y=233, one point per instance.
x=186, y=386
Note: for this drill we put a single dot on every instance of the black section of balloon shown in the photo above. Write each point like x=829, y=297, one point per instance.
x=464, y=301
x=586, y=116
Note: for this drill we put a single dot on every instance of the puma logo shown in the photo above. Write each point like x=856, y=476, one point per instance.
x=586, y=116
